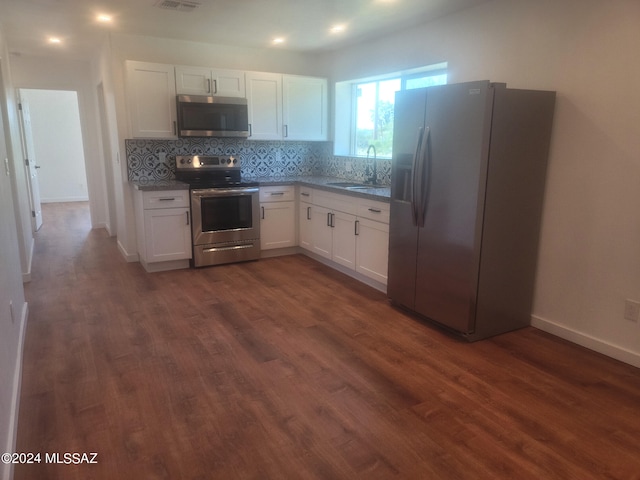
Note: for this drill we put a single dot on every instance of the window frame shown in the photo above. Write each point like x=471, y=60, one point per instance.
x=346, y=98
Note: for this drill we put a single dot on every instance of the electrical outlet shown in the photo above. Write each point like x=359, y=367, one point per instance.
x=631, y=310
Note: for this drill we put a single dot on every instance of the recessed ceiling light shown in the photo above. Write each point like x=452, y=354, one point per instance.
x=338, y=28
x=278, y=40
x=104, y=18
x=54, y=40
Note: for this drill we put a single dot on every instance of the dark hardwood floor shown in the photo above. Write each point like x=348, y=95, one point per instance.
x=285, y=369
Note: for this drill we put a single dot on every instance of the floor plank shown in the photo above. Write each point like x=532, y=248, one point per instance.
x=283, y=368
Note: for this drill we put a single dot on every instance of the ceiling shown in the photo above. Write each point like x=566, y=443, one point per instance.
x=304, y=24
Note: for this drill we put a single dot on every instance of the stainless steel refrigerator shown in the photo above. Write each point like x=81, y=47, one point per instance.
x=467, y=186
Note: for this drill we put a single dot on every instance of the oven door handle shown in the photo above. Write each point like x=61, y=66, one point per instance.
x=219, y=192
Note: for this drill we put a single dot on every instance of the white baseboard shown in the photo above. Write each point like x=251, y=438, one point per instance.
x=129, y=257
x=592, y=343
x=6, y=471
x=64, y=199
x=26, y=276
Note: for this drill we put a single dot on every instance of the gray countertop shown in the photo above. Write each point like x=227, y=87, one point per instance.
x=377, y=192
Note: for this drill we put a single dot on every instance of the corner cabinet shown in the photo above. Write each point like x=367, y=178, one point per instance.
x=210, y=81
x=151, y=99
x=163, y=229
x=286, y=107
x=304, y=108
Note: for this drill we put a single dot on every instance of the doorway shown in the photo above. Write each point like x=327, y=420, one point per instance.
x=53, y=148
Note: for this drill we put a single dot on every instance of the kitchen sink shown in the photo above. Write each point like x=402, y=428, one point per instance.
x=349, y=185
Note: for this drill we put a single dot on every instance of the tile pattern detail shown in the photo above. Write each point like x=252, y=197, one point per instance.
x=149, y=161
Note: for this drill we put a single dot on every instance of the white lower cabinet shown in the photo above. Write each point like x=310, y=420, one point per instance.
x=350, y=231
x=277, y=217
x=305, y=236
x=372, y=249
x=163, y=228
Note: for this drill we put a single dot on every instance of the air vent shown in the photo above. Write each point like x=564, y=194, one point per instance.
x=178, y=6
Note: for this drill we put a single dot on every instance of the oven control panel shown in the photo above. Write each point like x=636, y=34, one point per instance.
x=207, y=162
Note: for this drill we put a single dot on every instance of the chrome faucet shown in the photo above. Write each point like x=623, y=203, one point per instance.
x=373, y=178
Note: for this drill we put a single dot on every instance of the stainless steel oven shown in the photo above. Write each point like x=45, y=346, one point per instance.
x=225, y=211
x=225, y=225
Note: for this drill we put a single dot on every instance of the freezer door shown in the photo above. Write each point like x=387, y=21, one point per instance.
x=451, y=191
x=409, y=115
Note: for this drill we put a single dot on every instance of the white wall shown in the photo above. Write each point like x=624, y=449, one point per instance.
x=13, y=307
x=56, y=74
x=57, y=142
x=586, y=50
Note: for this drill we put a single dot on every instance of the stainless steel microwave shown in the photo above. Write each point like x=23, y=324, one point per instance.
x=205, y=116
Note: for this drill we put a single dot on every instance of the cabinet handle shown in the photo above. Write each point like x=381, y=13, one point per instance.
x=215, y=86
x=333, y=223
x=208, y=85
x=166, y=199
x=187, y=217
x=250, y=131
x=276, y=194
x=308, y=213
x=357, y=227
x=328, y=219
x=262, y=212
x=375, y=210
x=286, y=130
x=304, y=194
x=175, y=127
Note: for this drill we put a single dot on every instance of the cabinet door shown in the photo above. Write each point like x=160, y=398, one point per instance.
x=228, y=83
x=277, y=225
x=193, y=81
x=264, y=99
x=372, y=249
x=167, y=234
x=304, y=226
x=151, y=100
x=344, y=239
x=321, y=235
x=304, y=108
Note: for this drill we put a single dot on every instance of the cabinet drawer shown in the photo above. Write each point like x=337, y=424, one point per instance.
x=373, y=210
x=165, y=199
x=283, y=193
x=305, y=194
x=335, y=201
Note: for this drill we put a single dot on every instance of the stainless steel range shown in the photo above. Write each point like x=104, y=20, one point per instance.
x=225, y=225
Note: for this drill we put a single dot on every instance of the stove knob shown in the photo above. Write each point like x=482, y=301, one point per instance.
x=235, y=161
x=228, y=161
x=189, y=161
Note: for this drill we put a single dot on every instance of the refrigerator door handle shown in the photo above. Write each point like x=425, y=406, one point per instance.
x=414, y=183
x=423, y=182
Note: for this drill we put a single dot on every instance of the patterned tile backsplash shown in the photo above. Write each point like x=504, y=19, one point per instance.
x=152, y=160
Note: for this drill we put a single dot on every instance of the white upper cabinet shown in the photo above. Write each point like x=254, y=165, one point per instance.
x=304, y=108
x=151, y=99
x=288, y=107
x=264, y=99
x=207, y=81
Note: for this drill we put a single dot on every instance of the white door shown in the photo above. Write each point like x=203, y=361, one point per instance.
x=31, y=165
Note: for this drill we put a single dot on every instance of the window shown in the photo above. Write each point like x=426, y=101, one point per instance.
x=370, y=103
